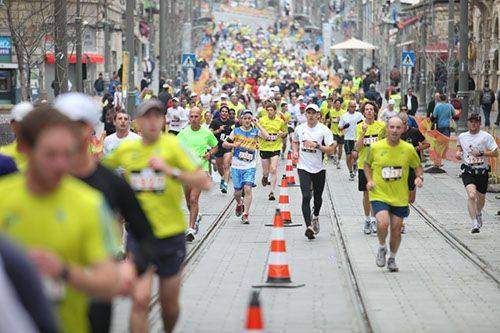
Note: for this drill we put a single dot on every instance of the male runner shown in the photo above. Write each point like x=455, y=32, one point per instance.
x=202, y=144
x=270, y=147
x=222, y=127
x=474, y=148
x=176, y=117
x=156, y=167
x=367, y=132
x=63, y=223
x=347, y=124
x=335, y=114
x=122, y=125
x=386, y=167
x=18, y=112
x=244, y=142
x=311, y=140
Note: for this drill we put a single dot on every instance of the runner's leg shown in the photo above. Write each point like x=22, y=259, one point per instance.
x=366, y=204
x=480, y=202
x=248, y=198
x=273, y=168
x=169, y=297
x=194, y=208
x=141, y=297
x=305, y=188
x=396, y=223
x=219, y=161
x=227, y=164
x=318, y=184
x=265, y=167
x=384, y=220
x=472, y=202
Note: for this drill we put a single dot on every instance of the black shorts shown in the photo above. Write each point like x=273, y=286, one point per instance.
x=221, y=151
x=173, y=132
x=339, y=139
x=265, y=155
x=170, y=252
x=411, y=179
x=481, y=181
x=349, y=146
x=290, y=130
x=361, y=180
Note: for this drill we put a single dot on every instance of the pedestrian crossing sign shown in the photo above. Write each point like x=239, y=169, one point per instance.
x=188, y=60
x=408, y=59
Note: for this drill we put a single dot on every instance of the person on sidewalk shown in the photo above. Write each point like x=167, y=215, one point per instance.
x=367, y=132
x=442, y=115
x=99, y=85
x=487, y=99
x=411, y=102
x=474, y=148
x=387, y=168
x=243, y=140
x=310, y=141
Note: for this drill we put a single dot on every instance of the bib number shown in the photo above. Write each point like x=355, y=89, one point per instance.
x=475, y=161
x=272, y=137
x=223, y=136
x=245, y=156
x=368, y=140
x=308, y=149
x=336, y=120
x=147, y=180
x=392, y=173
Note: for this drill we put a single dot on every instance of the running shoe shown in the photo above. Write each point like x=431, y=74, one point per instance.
x=351, y=176
x=475, y=229
x=221, y=185
x=244, y=218
x=265, y=181
x=224, y=187
x=368, y=227
x=197, y=224
x=338, y=165
x=310, y=233
x=403, y=229
x=382, y=252
x=271, y=196
x=239, y=209
x=391, y=265
x=479, y=218
x=315, y=224
x=373, y=226
x=190, y=235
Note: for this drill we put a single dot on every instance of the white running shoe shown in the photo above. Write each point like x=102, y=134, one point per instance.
x=382, y=253
x=315, y=224
x=479, y=218
x=190, y=235
x=374, y=225
x=367, y=229
x=391, y=265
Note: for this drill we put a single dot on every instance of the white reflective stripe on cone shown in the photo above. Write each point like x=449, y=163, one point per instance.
x=278, y=258
x=278, y=234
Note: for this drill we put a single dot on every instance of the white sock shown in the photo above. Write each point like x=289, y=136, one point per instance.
x=473, y=223
x=392, y=255
x=367, y=218
x=372, y=218
x=384, y=247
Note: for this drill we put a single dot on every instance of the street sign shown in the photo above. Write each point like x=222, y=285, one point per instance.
x=408, y=59
x=188, y=60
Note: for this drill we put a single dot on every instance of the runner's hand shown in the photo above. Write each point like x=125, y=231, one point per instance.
x=127, y=278
x=47, y=262
x=475, y=152
x=295, y=155
x=370, y=185
x=419, y=182
x=458, y=155
x=364, y=127
x=207, y=156
x=308, y=144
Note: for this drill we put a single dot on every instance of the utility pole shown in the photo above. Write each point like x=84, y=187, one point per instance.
x=451, y=46
x=129, y=31
x=423, y=67
x=463, y=83
x=107, y=47
x=360, y=34
x=186, y=34
x=164, y=4
x=60, y=47
x=78, y=30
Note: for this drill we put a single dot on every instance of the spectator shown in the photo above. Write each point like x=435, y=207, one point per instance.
x=442, y=115
x=99, y=85
x=486, y=100
x=432, y=105
x=374, y=96
x=411, y=102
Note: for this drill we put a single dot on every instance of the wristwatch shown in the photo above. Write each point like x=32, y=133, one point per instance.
x=176, y=173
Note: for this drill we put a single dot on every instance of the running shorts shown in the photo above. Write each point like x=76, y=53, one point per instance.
x=221, y=151
x=242, y=177
x=170, y=253
x=378, y=206
x=268, y=154
x=349, y=146
x=339, y=139
x=481, y=181
x=290, y=130
x=173, y=132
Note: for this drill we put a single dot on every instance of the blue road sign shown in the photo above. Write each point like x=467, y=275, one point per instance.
x=408, y=59
x=188, y=60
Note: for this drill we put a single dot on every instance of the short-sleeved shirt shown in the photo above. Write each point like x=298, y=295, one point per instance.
x=244, y=155
x=352, y=119
x=160, y=196
x=481, y=141
x=198, y=142
x=443, y=112
x=335, y=116
x=112, y=141
x=390, y=169
x=413, y=136
x=72, y=221
x=216, y=124
x=374, y=133
x=18, y=157
x=272, y=127
x=311, y=159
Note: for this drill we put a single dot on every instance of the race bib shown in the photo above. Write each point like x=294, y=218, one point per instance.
x=272, y=137
x=223, y=136
x=335, y=120
x=368, y=140
x=473, y=160
x=55, y=290
x=392, y=173
x=245, y=156
x=308, y=149
x=147, y=180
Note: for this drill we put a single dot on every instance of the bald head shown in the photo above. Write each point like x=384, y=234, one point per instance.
x=395, y=129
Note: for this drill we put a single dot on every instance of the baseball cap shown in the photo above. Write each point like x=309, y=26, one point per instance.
x=20, y=111
x=223, y=95
x=246, y=112
x=165, y=85
x=78, y=107
x=474, y=116
x=312, y=106
x=147, y=105
x=175, y=99
x=392, y=102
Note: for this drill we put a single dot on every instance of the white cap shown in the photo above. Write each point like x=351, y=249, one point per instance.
x=78, y=107
x=20, y=111
x=194, y=94
x=312, y=106
x=223, y=95
x=392, y=102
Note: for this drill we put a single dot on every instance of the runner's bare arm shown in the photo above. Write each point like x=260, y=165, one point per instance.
x=197, y=179
x=368, y=174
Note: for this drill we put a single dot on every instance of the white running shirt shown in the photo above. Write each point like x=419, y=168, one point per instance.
x=112, y=141
x=310, y=158
x=482, y=141
x=352, y=119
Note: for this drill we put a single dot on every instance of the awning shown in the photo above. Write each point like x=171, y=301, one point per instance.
x=93, y=58
x=354, y=44
x=438, y=48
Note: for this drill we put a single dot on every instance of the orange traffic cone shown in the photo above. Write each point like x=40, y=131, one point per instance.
x=290, y=178
x=284, y=206
x=254, y=315
x=278, y=274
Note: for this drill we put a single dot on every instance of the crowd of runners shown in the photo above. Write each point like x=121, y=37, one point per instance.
x=264, y=97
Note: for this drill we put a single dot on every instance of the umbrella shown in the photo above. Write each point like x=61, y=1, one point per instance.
x=354, y=44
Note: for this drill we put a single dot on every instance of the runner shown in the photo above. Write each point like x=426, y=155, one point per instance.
x=197, y=138
x=347, y=124
x=387, y=167
x=64, y=224
x=474, y=148
x=335, y=114
x=156, y=167
x=17, y=113
x=389, y=112
x=122, y=125
x=244, y=142
x=177, y=117
x=367, y=132
x=311, y=140
x=270, y=147
x=222, y=127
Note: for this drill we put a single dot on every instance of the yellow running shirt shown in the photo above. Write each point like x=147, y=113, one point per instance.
x=73, y=221
x=272, y=127
x=390, y=169
x=335, y=119
x=374, y=133
x=18, y=157
x=160, y=196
